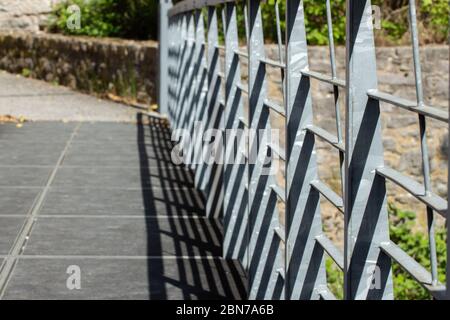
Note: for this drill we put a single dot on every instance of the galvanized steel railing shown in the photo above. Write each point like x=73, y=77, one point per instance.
x=287, y=260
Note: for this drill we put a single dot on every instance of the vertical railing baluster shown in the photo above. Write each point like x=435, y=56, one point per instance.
x=423, y=137
x=224, y=19
x=305, y=258
x=246, y=26
x=366, y=217
x=179, y=47
x=201, y=88
x=263, y=215
x=195, y=31
x=164, y=36
x=211, y=174
x=278, y=26
x=333, y=66
x=235, y=175
x=336, y=91
x=257, y=91
x=184, y=74
x=280, y=43
x=171, y=58
x=182, y=69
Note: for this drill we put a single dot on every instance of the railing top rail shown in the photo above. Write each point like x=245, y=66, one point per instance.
x=189, y=5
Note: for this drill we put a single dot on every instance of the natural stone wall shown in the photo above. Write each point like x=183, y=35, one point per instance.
x=28, y=15
x=400, y=127
x=123, y=68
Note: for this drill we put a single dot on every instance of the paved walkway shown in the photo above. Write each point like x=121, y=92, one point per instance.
x=103, y=201
x=38, y=100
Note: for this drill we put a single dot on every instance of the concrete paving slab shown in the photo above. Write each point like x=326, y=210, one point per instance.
x=125, y=237
x=108, y=215
x=14, y=176
x=116, y=156
x=117, y=148
x=37, y=132
x=116, y=132
x=107, y=177
x=101, y=201
x=30, y=153
x=9, y=228
x=119, y=144
x=17, y=201
x=155, y=279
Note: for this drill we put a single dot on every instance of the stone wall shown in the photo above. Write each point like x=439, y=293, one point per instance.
x=28, y=15
x=105, y=66
x=400, y=127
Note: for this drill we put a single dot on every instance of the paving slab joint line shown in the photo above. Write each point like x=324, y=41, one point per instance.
x=24, y=233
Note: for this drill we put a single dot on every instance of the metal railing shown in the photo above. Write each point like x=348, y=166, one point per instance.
x=202, y=87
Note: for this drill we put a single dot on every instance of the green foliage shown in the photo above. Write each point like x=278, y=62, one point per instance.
x=26, y=72
x=413, y=243
x=433, y=21
x=335, y=278
x=316, y=20
x=135, y=19
x=98, y=18
x=416, y=245
x=432, y=15
x=394, y=31
x=435, y=14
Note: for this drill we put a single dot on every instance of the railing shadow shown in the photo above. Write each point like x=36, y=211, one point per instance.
x=184, y=247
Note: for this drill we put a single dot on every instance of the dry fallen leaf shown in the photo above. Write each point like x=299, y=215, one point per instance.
x=11, y=119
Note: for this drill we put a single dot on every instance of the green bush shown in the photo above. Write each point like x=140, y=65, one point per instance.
x=315, y=20
x=134, y=19
x=416, y=245
x=137, y=19
x=433, y=18
x=435, y=15
x=413, y=243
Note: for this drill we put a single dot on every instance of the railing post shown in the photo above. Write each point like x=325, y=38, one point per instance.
x=257, y=93
x=187, y=76
x=199, y=84
x=175, y=54
x=210, y=174
x=367, y=270
x=235, y=173
x=305, y=257
x=184, y=112
x=264, y=243
x=163, y=85
x=181, y=68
